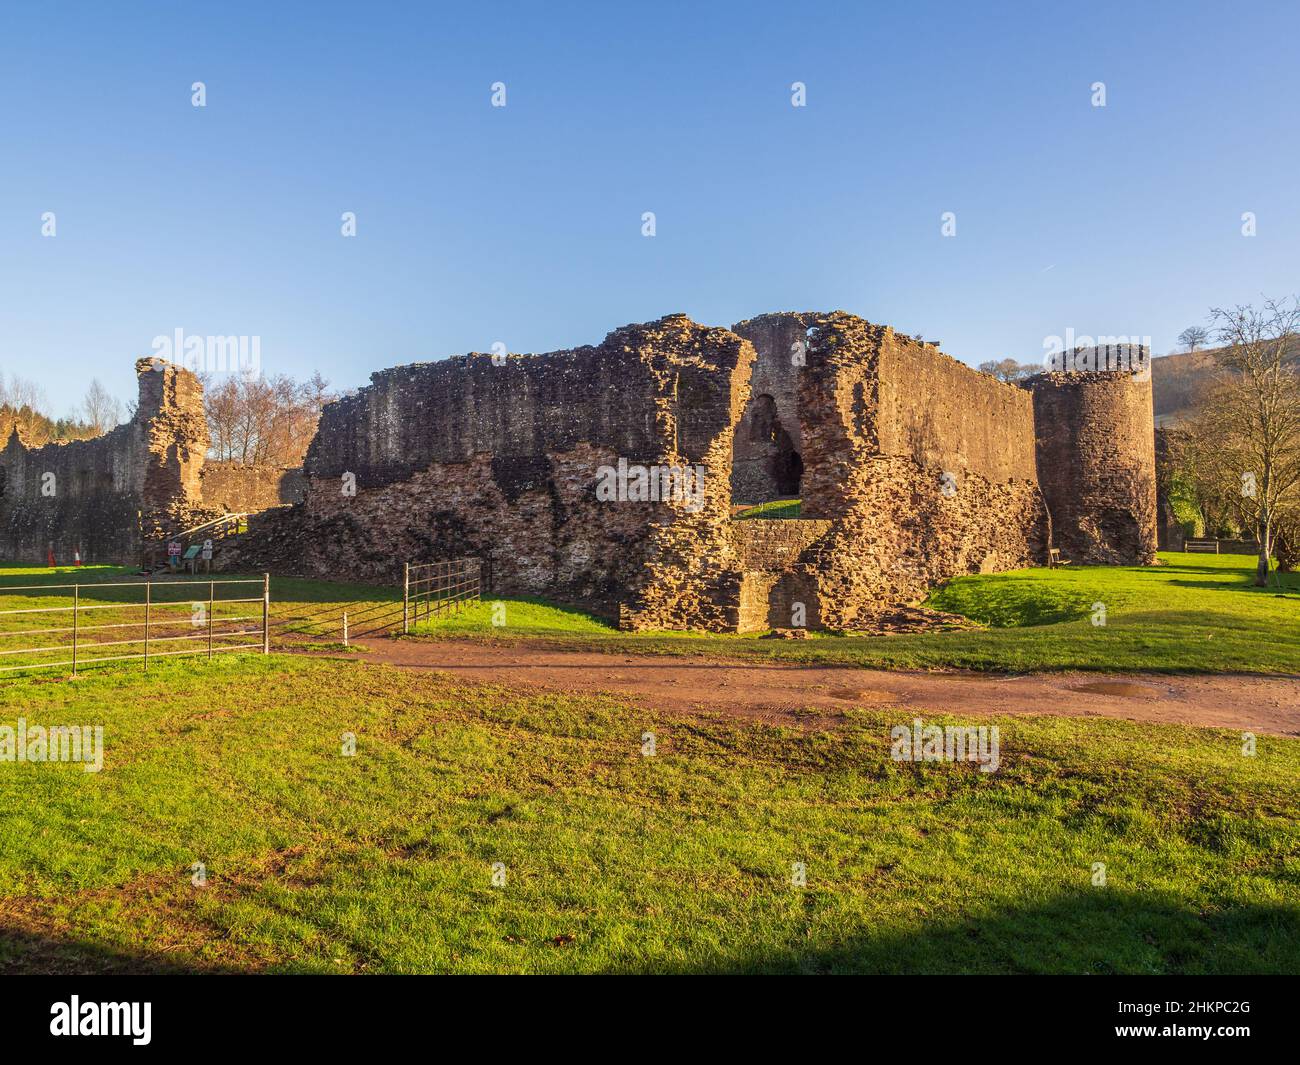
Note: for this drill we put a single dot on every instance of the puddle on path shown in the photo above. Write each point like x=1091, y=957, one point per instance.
x=1126, y=688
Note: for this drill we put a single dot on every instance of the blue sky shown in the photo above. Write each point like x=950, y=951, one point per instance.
x=522, y=224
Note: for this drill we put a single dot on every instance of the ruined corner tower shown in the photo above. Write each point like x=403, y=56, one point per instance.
x=101, y=497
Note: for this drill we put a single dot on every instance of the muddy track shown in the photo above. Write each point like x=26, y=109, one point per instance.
x=786, y=693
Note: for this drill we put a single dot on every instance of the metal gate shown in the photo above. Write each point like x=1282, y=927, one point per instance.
x=432, y=589
x=139, y=617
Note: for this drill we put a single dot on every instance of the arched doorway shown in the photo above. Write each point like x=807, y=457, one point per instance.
x=765, y=464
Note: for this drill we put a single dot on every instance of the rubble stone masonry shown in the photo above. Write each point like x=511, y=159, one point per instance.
x=912, y=468
x=499, y=458
x=923, y=467
x=232, y=488
x=99, y=497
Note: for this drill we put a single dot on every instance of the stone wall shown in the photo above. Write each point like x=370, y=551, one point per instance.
x=1096, y=464
x=943, y=415
x=501, y=458
x=918, y=486
x=912, y=468
x=235, y=489
x=769, y=551
x=767, y=462
x=99, y=497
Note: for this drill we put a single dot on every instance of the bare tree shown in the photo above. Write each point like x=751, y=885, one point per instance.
x=1193, y=337
x=1009, y=370
x=263, y=421
x=1243, y=446
x=102, y=410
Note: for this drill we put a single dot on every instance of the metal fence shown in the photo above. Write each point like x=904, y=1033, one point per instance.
x=432, y=589
x=146, y=625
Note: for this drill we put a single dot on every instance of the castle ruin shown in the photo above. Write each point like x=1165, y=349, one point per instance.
x=910, y=468
x=105, y=499
x=607, y=476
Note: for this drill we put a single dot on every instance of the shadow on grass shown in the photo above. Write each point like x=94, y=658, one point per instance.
x=24, y=953
x=1101, y=931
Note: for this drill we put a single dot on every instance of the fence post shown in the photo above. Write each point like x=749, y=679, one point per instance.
x=345, y=628
x=406, y=593
x=212, y=588
x=266, y=613
x=148, y=597
x=76, y=600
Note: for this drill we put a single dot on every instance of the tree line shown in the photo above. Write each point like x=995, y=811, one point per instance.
x=252, y=420
x=22, y=404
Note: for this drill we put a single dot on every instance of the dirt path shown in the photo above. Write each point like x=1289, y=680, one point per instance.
x=785, y=693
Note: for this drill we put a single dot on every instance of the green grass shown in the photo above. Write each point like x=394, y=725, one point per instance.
x=382, y=862
x=1195, y=613
x=47, y=574
x=513, y=617
x=777, y=508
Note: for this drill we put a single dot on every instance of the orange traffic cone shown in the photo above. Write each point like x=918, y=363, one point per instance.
x=50, y=558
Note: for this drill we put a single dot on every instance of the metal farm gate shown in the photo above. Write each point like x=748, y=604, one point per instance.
x=132, y=620
x=433, y=589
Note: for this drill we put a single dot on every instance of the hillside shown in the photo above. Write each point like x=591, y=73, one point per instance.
x=1177, y=381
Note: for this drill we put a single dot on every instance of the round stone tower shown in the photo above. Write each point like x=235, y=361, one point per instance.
x=1095, y=437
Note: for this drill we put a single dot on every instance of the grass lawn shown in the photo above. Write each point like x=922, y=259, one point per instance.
x=613, y=861
x=513, y=617
x=1194, y=613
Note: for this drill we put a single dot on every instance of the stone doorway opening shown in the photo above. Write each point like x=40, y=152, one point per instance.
x=765, y=462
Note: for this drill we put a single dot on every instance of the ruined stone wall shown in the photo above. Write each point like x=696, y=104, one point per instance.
x=944, y=415
x=100, y=496
x=767, y=462
x=915, y=469
x=919, y=486
x=770, y=550
x=500, y=460
x=235, y=489
x=1096, y=464
x=645, y=391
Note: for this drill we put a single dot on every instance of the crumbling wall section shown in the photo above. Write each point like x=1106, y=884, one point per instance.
x=501, y=458
x=773, y=594
x=235, y=489
x=100, y=497
x=918, y=486
x=768, y=462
